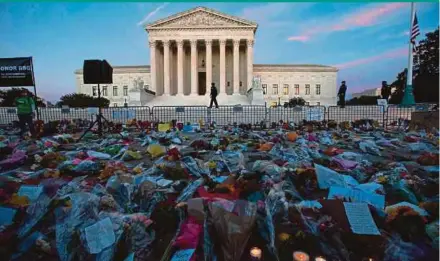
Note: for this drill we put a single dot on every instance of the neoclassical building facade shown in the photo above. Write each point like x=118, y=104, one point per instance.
x=192, y=49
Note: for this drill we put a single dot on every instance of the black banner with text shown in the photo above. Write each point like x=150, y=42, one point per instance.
x=15, y=72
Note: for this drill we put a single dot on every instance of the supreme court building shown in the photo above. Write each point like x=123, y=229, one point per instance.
x=192, y=49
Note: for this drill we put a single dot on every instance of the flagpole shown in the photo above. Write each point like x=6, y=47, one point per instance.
x=408, y=95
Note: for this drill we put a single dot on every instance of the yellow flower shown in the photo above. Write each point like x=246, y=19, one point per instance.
x=283, y=236
x=19, y=200
x=382, y=179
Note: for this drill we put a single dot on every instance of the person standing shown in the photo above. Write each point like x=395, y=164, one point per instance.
x=385, y=91
x=25, y=110
x=213, y=96
x=341, y=94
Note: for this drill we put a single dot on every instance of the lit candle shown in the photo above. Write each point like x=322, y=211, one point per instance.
x=256, y=253
x=319, y=258
x=300, y=256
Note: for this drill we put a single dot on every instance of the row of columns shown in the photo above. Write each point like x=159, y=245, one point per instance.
x=194, y=72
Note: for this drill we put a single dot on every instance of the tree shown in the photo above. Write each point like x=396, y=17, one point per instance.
x=7, y=97
x=363, y=100
x=80, y=100
x=298, y=101
x=425, y=72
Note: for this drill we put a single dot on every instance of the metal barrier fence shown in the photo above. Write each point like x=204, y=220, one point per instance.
x=358, y=112
x=296, y=114
x=388, y=117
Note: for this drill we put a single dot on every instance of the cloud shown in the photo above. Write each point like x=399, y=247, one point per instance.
x=367, y=16
x=152, y=13
x=299, y=38
x=400, y=52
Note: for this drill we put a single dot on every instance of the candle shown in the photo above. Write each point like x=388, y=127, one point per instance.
x=319, y=258
x=300, y=256
x=255, y=253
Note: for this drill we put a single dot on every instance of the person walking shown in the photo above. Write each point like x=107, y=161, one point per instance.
x=385, y=91
x=341, y=94
x=25, y=110
x=213, y=96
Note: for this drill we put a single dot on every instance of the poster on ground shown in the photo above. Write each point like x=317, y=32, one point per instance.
x=16, y=72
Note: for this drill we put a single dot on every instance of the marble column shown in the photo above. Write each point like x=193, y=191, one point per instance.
x=194, y=75
x=153, y=65
x=236, y=75
x=208, y=43
x=222, y=66
x=179, y=67
x=166, y=67
x=250, y=61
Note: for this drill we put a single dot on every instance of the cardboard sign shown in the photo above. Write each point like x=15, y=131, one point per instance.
x=183, y=255
x=100, y=235
x=360, y=219
x=164, y=127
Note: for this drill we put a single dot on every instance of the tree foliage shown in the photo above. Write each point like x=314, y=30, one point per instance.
x=363, y=100
x=298, y=101
x=425, y=72
x=80, y=100
x=7, y=97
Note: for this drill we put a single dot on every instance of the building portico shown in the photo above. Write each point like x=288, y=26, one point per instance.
x=193, y=49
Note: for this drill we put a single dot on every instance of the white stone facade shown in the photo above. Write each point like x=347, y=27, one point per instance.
x=192, y=49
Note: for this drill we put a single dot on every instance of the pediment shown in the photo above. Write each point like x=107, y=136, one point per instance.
x=201, y=17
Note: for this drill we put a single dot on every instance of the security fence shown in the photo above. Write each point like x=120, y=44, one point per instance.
x=388, y=117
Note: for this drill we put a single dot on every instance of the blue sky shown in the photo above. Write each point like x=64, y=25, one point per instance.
x=368, y=41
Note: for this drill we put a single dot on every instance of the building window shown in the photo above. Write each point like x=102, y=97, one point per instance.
x=125, y=90
x=285, y=89
x=296, y=89
x=104, y=91
x=318, y=89
x=264, y=86
x=115, y=105
x=275, y=89
x=241, y=83
x=146, y=87
x=115, y=90
x=229, y=84
x=94, y=92
x=307, y=89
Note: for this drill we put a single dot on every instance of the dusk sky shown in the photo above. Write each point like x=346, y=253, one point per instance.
x=367, y=41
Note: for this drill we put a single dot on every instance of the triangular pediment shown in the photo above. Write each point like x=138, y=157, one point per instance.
x=200, y=17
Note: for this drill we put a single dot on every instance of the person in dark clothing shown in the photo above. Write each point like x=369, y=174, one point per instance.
x=25, y=112
x=213, y=96
x=385, y=91
x=341, y=94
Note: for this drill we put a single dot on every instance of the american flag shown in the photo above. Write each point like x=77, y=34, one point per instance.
x=415, y=31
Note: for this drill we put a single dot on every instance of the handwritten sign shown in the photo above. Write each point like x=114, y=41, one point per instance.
x=315, y=114
x=7, y=215
x=183, y=255
x=100, y=236
x=360, y=219
x=357, y=196
x=383, y=103
x=32, y=192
